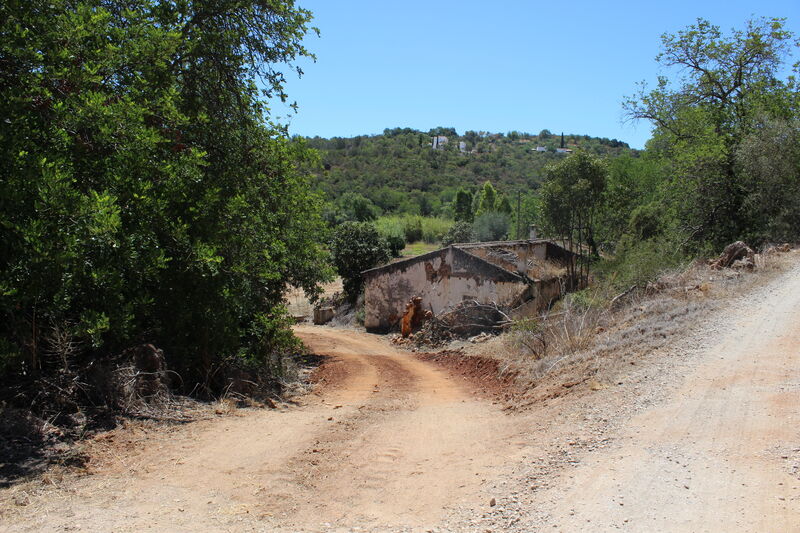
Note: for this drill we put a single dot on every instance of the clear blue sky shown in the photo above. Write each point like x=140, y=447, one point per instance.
x=493, y=66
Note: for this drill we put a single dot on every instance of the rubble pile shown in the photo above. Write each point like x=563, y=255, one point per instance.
x=736, y=255
x=467, y=320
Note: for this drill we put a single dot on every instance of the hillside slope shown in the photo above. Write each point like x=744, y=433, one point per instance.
x=399, y=170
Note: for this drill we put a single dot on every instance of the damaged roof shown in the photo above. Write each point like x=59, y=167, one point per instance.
x=496, y=271
x=500, y=248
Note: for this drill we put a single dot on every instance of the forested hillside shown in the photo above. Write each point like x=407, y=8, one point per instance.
x=400, y=172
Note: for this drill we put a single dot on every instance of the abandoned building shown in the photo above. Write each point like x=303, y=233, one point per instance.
x=521, y=276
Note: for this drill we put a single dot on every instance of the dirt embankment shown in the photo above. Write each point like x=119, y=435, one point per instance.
x=721, y=452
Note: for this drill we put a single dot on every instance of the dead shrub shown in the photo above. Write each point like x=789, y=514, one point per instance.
x=527, y=335
x=591, y=334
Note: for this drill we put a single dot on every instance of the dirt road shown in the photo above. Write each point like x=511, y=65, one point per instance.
x=701, y=436
x=387, y=441
x=721, y=453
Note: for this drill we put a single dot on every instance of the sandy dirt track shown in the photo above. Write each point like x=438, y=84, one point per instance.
x=387, y=441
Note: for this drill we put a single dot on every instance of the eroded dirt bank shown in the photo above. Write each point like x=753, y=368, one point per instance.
x=720, y=453
x=386, y=441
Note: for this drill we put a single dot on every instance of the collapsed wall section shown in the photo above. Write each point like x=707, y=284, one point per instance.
x=442, y=279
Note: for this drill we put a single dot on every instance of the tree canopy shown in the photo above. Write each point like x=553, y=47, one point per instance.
x=145, y=196
x=724, y=84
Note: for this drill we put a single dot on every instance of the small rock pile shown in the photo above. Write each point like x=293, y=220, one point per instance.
x=736, y=255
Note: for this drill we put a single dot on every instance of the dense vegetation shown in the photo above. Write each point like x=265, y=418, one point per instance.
x=723, y=163
x=145, y=197
x=399, y=172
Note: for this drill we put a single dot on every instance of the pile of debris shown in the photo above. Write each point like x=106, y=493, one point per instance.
x=736, y=255
x=468, y=319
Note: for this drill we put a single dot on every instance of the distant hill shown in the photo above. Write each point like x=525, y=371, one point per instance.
x=400, y=171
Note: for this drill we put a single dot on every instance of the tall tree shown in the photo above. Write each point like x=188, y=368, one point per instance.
x=462, y=210
x=145, y=195
x=488, y=199
x=571, y=195
x=504, y=205
x=722, y=83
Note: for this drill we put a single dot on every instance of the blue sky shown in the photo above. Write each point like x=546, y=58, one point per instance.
x=492, y=66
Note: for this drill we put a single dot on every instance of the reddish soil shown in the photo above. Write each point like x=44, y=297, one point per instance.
x=482, y=375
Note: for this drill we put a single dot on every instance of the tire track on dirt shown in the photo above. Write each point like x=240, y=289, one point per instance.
x=714, y=455
x=386, y=441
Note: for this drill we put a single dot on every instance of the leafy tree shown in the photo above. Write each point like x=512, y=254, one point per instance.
x=769, y=162
x=571, y=195
x=632, y=182
x=145, y=195
x=504, y=205
x=459, y=232
x=529, y=213
x=463, y=207
x=355, y=247
x=355, y=207
x=723, y=83
x=488, y=199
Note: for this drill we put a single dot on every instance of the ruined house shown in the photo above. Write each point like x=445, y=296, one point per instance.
x=521, y=276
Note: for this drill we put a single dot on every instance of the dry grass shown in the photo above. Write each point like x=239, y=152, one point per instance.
x=595, y=343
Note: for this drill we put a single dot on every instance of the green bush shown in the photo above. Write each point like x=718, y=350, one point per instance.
x=638, y=262
x=355, y=247
x=459, y=232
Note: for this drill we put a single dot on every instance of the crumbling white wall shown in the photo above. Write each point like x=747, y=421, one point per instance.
x=442, y=281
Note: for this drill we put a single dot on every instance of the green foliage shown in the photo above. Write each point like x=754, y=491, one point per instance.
x=400, y=173
x=631, y=182
x=769, y=162
x=529, y=214
x=504, y=205
x=583, y=300
x=571, y=195
x=412, y=228
x=391, y=229
x=415, y=228
x=459, y=232
x=353, y=207
x=355, y=247
x=646, y=221
x=145, y=196
x=434, y=229
x=462, y=210
x=724, y=87
x=638, y=262
x=491, y=226
x=488, y=201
